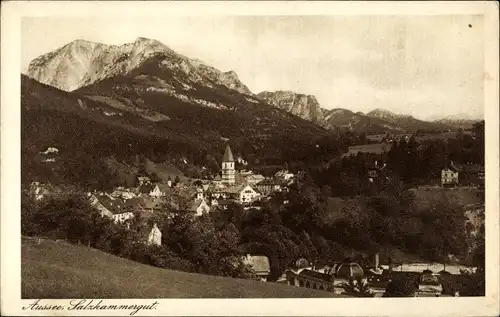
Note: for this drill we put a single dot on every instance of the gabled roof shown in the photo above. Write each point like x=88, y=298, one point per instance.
x=197, y=203
x=118, y=205
x=234, y=189
x=228, y=155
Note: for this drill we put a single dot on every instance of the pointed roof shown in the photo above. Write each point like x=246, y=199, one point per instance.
x=228, y=155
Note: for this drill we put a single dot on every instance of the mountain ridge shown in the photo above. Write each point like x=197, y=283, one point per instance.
x=81, y=63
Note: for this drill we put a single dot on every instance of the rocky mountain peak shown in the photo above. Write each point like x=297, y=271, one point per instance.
x=81, y=63
x=304, y=106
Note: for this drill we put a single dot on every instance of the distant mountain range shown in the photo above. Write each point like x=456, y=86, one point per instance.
x=376, y=121
x=146, y=89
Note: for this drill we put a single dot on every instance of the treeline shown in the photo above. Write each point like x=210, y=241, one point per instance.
x=409, y=162
x=305, y=227
x=188, y=244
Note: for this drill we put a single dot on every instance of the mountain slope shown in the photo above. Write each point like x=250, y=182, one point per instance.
x=81, y=63
x=160, y=111
x=59, y=270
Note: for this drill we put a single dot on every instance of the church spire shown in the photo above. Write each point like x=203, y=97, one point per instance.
x=228, y=155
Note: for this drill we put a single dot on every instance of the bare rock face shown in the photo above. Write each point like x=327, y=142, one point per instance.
x=81, y=63
x=304, y=106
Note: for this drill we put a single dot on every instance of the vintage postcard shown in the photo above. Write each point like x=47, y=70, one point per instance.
x=250, y=158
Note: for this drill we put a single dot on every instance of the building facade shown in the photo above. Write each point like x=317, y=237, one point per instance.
x=449, y=177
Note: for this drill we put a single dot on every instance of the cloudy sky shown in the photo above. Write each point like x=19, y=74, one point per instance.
x=426, y=66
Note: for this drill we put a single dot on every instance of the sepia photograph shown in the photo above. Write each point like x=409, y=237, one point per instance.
x=240, y=156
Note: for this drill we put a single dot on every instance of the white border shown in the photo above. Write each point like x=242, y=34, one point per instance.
x=10, y=158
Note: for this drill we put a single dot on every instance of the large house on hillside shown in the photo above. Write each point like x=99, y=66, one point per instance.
x=254, y=179
x=118, y=209
x=463, y=174
x=449, y=176
x=241, y=193
x=268, y=186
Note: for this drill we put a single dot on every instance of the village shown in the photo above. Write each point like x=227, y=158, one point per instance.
x=198, y=197
x=195, y=197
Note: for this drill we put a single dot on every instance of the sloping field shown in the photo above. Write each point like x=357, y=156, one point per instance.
x=59, y=270
x=462, y=196
x=377, y=148
x=164, y=170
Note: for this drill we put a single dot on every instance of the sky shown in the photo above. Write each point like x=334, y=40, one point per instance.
x=425, y=66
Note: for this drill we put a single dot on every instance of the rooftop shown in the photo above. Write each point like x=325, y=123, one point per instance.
x=228, y=155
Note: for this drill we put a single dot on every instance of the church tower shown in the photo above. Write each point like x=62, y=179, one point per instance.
x=228, y=167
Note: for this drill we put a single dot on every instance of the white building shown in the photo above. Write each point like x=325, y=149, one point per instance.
x=200, y=207
x=121, y=218
x=154, y=237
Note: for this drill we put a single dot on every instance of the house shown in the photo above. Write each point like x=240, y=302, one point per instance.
x=94, y=202
x=199, y=193
x=259, y=265
x=38, y=191
x=119, y=210
x=145, y=189
x=154, y=237
x=122, y=217
x=449, y=176
x=156, y=192
x=242, y=193
x=241, y=161
x=283, y=176
x=121, y=192
x=377, y=172
x=200, y=207
x=50, y=150
x=268, y=186
x=143, y=180
x=254, y=178
x=223, y=204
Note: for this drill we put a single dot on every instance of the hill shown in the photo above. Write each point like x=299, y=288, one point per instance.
x=59, y=270
x=124, y=116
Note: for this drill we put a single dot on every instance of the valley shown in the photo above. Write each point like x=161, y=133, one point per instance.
x=159, y=160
